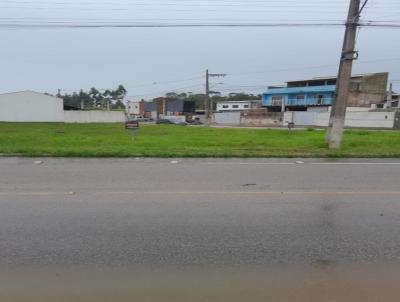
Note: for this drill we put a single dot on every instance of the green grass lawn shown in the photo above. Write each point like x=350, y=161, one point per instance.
x=112, y=140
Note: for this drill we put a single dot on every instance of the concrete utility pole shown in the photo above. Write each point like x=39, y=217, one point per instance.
x=207, y=100
x=209, y=106
x=164, y=107
x=390, y=96
x=338, y=114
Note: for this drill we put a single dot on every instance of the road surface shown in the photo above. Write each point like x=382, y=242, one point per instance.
x=199, y=230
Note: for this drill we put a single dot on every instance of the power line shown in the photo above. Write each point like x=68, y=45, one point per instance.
x=186, y=25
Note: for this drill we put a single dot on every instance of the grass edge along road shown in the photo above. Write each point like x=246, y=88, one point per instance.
x=112, y=140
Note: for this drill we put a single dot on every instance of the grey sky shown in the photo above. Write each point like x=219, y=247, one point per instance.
x=152, y=61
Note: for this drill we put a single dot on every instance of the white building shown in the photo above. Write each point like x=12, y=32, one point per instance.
x=30, y=106
x=237, y=106
x=134, y=108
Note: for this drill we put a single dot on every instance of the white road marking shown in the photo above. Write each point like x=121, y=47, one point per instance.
x=252, y=193
x=281, y=193
x=305, y=163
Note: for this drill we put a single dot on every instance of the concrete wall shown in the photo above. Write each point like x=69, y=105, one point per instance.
x=94, y=117
x=361, y=119
x=268, y=119
x=249, y=119
x=305, y=118
x=287, y=117
x=227, y=118
x=318, y=109
x=354, y=119
x=29, y=106
x=355, y=109
x=368, y=89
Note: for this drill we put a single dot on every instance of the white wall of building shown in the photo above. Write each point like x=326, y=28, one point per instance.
x=133, y=108
x=29, y=106
x=94, y=117
x=233, y=106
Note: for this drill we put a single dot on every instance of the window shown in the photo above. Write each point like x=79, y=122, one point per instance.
x=300, y=97
x=235, y=106
x=246, y=106
x=225, y=106
x=277, y=100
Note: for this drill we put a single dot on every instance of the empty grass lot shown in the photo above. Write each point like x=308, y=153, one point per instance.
x=112, y=140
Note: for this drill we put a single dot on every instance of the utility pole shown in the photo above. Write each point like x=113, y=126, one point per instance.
x=338, y=114
x=164, y=107
x=209, y=106
x=390, y=97
x=207, y=100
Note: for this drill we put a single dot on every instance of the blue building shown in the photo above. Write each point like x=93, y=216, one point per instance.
x=318, y=92
x=298, y=95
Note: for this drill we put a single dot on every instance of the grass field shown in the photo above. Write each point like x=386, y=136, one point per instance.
x=112, y=140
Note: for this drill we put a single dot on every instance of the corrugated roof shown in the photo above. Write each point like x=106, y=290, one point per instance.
x=335, y=77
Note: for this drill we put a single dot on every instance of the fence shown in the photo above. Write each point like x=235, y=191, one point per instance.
x=227, y=118
x=354, y=119
x=384, y=120
x=94, y=117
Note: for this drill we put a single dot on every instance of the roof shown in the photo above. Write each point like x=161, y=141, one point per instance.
x=249, y=101
x=30, y=91
x=308, y=89
x=335, y=77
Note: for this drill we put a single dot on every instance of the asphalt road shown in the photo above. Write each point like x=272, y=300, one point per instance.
x=199, y=230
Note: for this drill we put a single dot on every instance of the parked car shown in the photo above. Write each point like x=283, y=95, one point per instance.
x=195, y=121
x=169, y=122
x=141, y=118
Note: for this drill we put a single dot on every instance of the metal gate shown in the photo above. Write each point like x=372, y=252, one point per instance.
x=397, y=120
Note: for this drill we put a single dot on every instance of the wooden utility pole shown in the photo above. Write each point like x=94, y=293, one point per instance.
x=338, y=114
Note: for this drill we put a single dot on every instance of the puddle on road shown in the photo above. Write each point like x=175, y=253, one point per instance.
x=322, y=282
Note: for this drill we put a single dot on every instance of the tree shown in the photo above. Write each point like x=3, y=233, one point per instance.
x=95, y=99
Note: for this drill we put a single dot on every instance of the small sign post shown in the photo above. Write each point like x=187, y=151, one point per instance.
x=291, y=125
x=134, y=125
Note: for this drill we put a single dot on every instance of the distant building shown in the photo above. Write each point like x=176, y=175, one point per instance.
x=365, y=90
x=175, y=107
x=30, y=106
x=237, y=105
x=135, y=108
x=169, y=107
x=395, y=100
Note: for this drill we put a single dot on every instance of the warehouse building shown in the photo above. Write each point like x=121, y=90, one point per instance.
x=30, y=106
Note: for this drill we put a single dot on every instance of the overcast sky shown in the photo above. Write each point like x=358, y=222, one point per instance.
x=152, y=61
